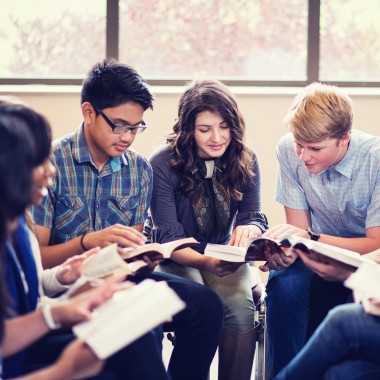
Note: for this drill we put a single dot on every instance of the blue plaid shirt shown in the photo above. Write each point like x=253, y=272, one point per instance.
x=343, y=200
x=84, y=200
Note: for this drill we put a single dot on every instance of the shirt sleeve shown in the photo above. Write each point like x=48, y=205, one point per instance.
x=289, y=191
x=164, y=220
x=249, y=209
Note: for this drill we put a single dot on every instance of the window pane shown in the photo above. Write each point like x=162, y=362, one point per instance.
x=243, y=39
x=350, y=40
x=51, y=38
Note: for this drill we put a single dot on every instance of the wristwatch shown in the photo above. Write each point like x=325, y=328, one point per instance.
x=313, y=235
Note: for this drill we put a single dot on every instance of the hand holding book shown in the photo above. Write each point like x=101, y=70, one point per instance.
x=271, y=250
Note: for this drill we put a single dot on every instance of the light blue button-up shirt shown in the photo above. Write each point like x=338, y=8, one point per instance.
x=343, y=200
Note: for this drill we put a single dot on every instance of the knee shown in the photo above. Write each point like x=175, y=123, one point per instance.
x=239, y=312
x=288, y=284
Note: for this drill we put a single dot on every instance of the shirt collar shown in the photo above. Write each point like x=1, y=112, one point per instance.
x=81, y=153
x=346, y=165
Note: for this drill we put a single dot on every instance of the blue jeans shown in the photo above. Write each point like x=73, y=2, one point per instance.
x=197, y=328
x=287, y=309
x=345, y=346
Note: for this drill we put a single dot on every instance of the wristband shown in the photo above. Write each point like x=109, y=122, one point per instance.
x=81, y=242
x=48, y=317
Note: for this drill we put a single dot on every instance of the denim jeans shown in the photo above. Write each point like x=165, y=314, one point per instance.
x=287, y=310
x=345, y=346
x=197, y=328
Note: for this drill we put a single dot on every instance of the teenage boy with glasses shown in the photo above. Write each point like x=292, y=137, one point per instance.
x=101, y=195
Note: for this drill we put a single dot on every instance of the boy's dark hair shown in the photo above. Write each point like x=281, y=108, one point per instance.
x=110, y=83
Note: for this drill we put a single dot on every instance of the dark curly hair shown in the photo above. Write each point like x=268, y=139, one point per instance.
x=212, y=96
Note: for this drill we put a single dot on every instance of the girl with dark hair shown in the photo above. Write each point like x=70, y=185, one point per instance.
x=207, y=185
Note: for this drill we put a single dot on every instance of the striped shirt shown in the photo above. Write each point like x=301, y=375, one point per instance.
x=343, y=200
x=83, y=200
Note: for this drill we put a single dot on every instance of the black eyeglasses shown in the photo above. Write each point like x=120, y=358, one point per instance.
x=123, y=128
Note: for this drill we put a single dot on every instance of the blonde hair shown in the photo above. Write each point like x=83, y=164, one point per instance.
x=320, y=112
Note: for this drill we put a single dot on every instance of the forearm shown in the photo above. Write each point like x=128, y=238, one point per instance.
x=361, y=245
x=18, y=335
x=52, y=372
x=53, y=255
x=190, y=258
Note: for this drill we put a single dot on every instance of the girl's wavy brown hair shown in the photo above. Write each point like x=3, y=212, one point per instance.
x=212, y=96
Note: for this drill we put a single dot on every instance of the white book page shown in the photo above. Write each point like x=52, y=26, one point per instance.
x=104, y=263
x=366, y=281
x=226, y=249
x=340, y=254
x=171, y=246
x=129, y=315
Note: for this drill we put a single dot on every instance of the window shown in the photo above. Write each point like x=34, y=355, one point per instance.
x=229, y=39
x=247, y=42
x=350, y=40
x=59, y=39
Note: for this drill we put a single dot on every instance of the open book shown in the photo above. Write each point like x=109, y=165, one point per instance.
x=255, y=247
x=157, y=251
x=253, y=250
x=108, y=261
x=366, y=284
x=344, y=256
x=129, y=315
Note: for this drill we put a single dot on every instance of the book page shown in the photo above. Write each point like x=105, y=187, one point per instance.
x=225, y=252
x=157, y=251
x=366, y=281
x=153, y=249
x=344, y=256
x=129, y=315
x=174, y=245
x=104, y=263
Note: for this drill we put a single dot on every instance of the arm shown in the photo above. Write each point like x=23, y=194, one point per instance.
x=18, y=334
x=298, y=221
x=250, y=221
x=53, y=255
x=76, y=361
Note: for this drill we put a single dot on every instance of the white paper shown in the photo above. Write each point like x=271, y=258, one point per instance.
x=129, y=315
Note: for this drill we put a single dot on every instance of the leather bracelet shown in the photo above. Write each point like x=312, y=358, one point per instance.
x=48, y=317
x=81, y=242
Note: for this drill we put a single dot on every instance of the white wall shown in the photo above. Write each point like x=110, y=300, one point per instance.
x=263, y=109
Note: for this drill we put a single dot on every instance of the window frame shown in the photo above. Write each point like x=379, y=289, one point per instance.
x=112, y=44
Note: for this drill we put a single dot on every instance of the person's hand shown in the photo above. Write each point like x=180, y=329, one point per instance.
x=329, y=270
x=282, y=231
x=71, y=269
x=123, y=235
x=79, y=308
x=277, y=259
x=242, y=233
x=219, y=267
x=77, y=361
